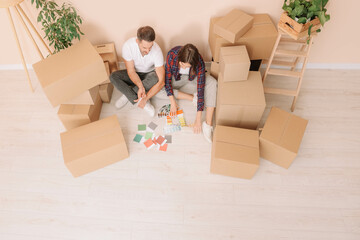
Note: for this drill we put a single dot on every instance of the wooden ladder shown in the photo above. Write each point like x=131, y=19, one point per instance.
x=301, y=53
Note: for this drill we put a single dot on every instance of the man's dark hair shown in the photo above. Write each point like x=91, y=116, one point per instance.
x=146, y=33
x=189, y=54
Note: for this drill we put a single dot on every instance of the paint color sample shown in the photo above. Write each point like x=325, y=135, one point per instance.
x=148, y=135
x=168, y=138
x=138, y=138
x=163, y=147
x=149, y=144
x=160, y=140
x=152, y=126
x=141, y=127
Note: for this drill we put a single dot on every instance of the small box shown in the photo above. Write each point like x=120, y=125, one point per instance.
x=215, y=69
x=108, y=53
x=234, y=63
x=233, y=25
x=69, y=73
x=281, y=137
x=73, y=116
x=106, y=91
x=87, y=98
x=93, y=146
x=240, y=104
x=259, y=40
x=235, y=152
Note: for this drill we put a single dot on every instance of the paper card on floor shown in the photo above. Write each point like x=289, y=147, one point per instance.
x=148, y=135
x=161, y=140
x=149, y=144
x=152, y=126
x=163, y=147
x=138, y=138
x=168, y=138
x=142, y=127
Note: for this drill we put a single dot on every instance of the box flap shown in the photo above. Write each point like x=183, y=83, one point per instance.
x=66, y=62
x=91, y=138
x=237, y=153
x=284, y=129
x=249, y=92
x=105, y=48
x=240, y=136
x=260, y=31
x=262, y=18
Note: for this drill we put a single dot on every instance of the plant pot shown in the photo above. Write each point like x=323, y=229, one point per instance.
x=297, y=30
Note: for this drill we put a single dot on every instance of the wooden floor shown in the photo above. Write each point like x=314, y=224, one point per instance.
x=172, y=195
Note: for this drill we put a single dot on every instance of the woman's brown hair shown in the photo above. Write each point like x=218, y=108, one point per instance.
x=189, y=54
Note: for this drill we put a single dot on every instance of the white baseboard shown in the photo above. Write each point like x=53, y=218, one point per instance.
x=334, y=66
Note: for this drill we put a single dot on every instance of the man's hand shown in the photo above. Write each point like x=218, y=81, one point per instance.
x=141, y=94
x=142, y=102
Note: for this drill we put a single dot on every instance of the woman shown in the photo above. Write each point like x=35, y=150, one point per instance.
x=185, y=72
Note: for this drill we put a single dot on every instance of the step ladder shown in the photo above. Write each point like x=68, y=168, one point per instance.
x=288, y=66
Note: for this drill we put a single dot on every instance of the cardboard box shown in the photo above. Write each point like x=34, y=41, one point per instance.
x=106, y=91
x=240, y=104
x=107, y=68
x=259, y=40
x=69, y=73
x=235, y=152
x=233, y=25
x=281, y=137
x=73, y=116
x=234, y=63
x=88, y=97
x=108, y=53
x=93, y=146
x=215, y=69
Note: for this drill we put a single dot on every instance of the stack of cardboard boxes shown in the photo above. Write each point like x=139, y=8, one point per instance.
x=73, y=79
x=241, y=102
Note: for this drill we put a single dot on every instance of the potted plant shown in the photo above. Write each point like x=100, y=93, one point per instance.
x=302, y=17
x=61, y=24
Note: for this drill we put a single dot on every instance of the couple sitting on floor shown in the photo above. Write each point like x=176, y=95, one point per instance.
x=183, y=77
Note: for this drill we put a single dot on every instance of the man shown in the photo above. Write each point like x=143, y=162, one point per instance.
x=145, y=73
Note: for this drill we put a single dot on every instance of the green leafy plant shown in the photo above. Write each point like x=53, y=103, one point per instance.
x=61, y=24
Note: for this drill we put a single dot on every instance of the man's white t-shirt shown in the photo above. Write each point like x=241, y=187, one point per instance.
x=147, y=63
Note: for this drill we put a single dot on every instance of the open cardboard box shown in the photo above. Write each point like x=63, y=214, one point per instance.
x=108, y=53
x=69, y=73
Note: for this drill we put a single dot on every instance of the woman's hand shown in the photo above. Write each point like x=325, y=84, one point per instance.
x=173, y=108
x=197, y=123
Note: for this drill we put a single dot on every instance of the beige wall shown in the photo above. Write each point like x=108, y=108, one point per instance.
x=180, y=22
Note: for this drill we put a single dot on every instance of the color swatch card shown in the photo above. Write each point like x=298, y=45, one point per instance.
x=163, y=147
x=138, y=138
x=160, y=140
x=148, y=135
x=142, y=127
x=152, y=126
x=168, y=138
x=149, y=144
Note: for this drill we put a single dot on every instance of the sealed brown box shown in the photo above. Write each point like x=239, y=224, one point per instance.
x=73, y=116
x=233, y=25
x=108, y=53
x=69, y=73
x=234, y=63
x=240, y=104
x=88, y=97
x=93, y=146
x=281, y=137
x=259, y=40
x=106, y=91
x=235, y=152
x=215, y=69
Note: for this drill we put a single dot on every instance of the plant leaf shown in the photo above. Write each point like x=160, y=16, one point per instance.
x=302, y=20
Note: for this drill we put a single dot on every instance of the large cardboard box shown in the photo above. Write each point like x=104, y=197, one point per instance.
x=233, y=25
x=235, y=152
x=88, y=97
x=106, y=91
x=240, y=104
x=215, y=69
x=281, y=137
x=108, y=53
x=234, y=63
x=69, y=73
x=93, y=146
x=73, y=116
x=259, y=40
